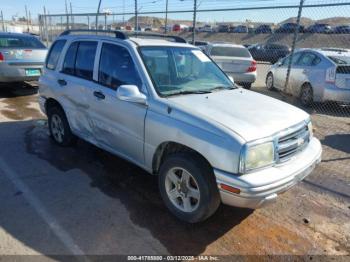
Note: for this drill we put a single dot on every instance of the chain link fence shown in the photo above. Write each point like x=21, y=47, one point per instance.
x=301, y=49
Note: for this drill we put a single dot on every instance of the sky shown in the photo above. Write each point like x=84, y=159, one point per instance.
x=17, y=7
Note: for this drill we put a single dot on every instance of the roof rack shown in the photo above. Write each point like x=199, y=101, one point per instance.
x=118, y=34
x=177, y=39
x=125, y=35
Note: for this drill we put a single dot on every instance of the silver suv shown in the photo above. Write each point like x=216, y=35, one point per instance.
x=166, y=107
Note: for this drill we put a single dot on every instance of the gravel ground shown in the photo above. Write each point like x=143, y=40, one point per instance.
x=82, y=200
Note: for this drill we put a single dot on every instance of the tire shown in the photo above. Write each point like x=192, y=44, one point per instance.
x=247, y=85
x=183, y=174
x=270, y=82
x=306, y=95
x=59, y=128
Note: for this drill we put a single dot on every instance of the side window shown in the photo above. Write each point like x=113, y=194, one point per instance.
x=116, y=67
x=69, y=60
x=307, y=59
x=54, y=55
x=84, y=64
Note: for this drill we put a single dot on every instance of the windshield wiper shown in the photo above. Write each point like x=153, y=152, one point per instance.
x=188, y=92
x=217, y=88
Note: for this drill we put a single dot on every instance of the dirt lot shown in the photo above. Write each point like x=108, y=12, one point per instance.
x=82, y=200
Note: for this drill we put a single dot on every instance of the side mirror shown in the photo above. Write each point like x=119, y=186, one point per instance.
x=131, y=93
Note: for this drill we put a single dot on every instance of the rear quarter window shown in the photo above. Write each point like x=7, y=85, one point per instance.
x=54, y=54
x=229, y=51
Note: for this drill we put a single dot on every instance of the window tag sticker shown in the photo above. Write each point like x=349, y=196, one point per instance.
x=201, y=56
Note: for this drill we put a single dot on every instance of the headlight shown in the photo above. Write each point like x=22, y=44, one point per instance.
x=311, y=131
x=257, y=156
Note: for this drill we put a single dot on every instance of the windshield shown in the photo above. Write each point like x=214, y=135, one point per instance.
x=20, y=42
x=177, y=70
x=340, y=60
x=229, y=51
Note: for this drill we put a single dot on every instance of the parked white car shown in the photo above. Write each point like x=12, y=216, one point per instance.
x=317, y=75
x=166, y=107
x=235, y=61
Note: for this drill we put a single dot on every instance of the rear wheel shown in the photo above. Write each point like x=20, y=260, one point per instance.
x=270, y=81
x=306, y=95
x=188, y=187
x=59, y=127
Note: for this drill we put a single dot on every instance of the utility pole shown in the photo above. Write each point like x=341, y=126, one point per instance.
x=71, y=14
x=296, y=34
x=2, y=21
x=67, y=26
x=194, y=21
x=124, y=13
x=98, y=12
x=45, y=26
x=136, y=18
x=30, y=19
x=27, y=18
x=166, y=17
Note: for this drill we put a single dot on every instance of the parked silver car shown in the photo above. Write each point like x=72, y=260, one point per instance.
x=22, y=57
x=317, y=75
x=234, y=60
x=166, y=107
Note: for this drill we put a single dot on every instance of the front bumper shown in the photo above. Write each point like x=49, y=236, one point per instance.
x=336, y=94
x=262, y=187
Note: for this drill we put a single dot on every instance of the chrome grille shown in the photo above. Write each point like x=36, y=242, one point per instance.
x=292, y=141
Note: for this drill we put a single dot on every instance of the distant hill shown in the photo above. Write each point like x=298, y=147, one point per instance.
x=336, y=21
x=156, y=21
x=304, y=21
x=307, y=21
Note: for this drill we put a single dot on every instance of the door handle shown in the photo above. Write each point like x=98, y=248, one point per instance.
x=99, y=95
x=62, y=82
x=305, y=71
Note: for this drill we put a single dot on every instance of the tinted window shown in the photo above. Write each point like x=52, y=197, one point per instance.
x=340, y=60
x=84, y=65
x=229, y=51
x=69, y=61
x=294, y=60
x=308, y=59
x=54, y=54
x=116, y=67
x=20, y=42
x=274, y=47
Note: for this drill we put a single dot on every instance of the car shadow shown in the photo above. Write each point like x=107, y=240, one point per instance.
x=11, y=90
x=18, y=100
x=138, y=192
x=340, y=142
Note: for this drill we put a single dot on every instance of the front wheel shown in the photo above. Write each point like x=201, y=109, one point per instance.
x=188, y=187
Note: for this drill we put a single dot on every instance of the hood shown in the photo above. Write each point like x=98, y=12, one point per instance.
x=249, y=114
